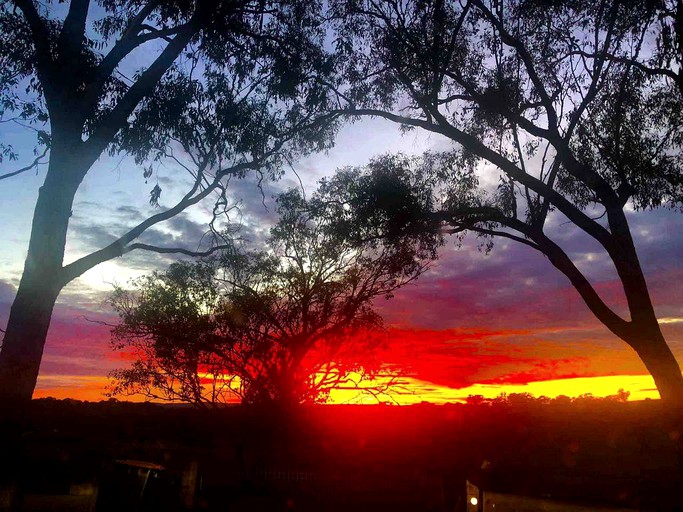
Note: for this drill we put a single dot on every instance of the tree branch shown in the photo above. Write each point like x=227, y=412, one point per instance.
x=117, y=118
x=475, y=146
x=580, y=172
x=515, y=43
x=73, y=33
x=41, y=42
x=539, y=241
x=127, y=43
x=595, y=85
x=175, y=250
x=36, y=162
x=505, y=234
x=118, y=247
x=564, y=264
x=669, y=73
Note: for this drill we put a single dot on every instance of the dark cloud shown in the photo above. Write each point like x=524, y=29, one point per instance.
x=92, y=237
x=7, y=292
x=258, y=200
x=255, y=208
x=87, y=204
x=515, y=286
x=167, y=181
x=186, y=230
x=658, y=238
x=551, y=333
x=255, y=212
x=129, y=212
x=178, y=232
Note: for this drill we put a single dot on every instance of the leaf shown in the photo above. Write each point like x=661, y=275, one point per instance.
x=154, y=195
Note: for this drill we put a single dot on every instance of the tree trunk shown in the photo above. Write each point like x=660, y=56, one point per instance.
x=654, y=352
x=645, y=336
x=22, y=349
x=41, y=282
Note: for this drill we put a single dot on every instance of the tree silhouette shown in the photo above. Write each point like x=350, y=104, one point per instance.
x=576, y=106
x=217, y=88
x=283, y=325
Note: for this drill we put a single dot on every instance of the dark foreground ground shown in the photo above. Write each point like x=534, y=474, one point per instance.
x=63, y=454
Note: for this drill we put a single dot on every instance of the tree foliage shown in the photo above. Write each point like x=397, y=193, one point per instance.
x=286, y=324
x=212, y=88
x=560, y=111
x=241, y=88
x=223, y=85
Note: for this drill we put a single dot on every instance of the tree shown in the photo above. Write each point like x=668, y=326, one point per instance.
x=283, y=325
x=224, y=87
x=575, y=105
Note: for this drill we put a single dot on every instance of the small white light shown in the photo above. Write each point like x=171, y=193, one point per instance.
x=474, y=501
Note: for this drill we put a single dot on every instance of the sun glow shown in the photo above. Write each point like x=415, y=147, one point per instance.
x=412, y=391
x=409, y=391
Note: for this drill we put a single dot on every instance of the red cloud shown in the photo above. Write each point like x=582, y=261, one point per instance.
x=458, y=358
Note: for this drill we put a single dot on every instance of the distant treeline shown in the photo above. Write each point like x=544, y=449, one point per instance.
x=527, y=398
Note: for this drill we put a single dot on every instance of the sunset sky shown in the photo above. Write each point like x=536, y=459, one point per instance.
x=474, y=324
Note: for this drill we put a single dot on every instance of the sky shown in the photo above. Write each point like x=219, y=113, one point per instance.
x=475, y=323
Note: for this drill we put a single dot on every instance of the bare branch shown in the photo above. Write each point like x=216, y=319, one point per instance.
x=505, y=234
x=118, y=248
x=176, y=250
x=651, y=71
x=36, y=162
